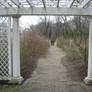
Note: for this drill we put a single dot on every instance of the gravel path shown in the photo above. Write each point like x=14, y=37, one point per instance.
x=50, y=76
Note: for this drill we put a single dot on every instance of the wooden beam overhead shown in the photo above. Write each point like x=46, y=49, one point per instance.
x=48, y=11
x=30, y=3
x=58, y=3
x=44, y=4
x=70, y=3
x=16, y=2
x=84, y=3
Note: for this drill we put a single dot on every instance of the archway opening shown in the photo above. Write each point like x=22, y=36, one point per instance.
x=69, y=33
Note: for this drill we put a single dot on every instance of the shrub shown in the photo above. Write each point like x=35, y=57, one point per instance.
x=63, y=42
x=76, y=52
x=32, y=46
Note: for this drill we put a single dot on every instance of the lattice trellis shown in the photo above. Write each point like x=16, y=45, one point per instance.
x=4, y=47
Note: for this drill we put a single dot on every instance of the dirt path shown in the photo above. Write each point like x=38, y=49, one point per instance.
x=50, y=76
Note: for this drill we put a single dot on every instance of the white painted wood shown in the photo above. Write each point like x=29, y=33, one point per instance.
x=44, y=4
x=84, y=3
x=30, y=3
x=16, y=2
x=9, y=45
x=16, y=48
x=58, y=3
x=90, y=50
x=4, y=3
x=47, y=11
x=70, y=3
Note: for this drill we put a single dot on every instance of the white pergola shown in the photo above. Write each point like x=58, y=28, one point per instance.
x=11, y=10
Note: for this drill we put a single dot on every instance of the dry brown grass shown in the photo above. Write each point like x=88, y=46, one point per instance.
x=32, y=46
x=76, y=54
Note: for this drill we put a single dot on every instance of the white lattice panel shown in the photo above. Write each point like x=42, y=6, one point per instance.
x=4, y=47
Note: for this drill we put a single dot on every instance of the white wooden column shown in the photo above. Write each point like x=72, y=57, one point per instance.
x=16, y=52
x=9, y=44
x=88, y=79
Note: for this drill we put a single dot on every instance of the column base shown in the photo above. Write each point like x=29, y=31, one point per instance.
x=88, y=81
x=16, y=80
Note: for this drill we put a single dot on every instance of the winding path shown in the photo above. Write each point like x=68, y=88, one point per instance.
x=50, y=76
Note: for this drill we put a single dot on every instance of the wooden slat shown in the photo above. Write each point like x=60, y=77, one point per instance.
x=84, y=3
x=44, y=3
x=30, y=3
x=70, y=3
x=58, y=3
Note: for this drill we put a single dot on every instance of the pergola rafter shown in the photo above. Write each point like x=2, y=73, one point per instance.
x=85, y=3
x=68, y=9
x=70, y=3
x=16, y=2
x=44, y=4
x=58, y=3
x=30, y=3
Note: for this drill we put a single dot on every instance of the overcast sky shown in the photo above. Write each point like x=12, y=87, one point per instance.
x=26, y=21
